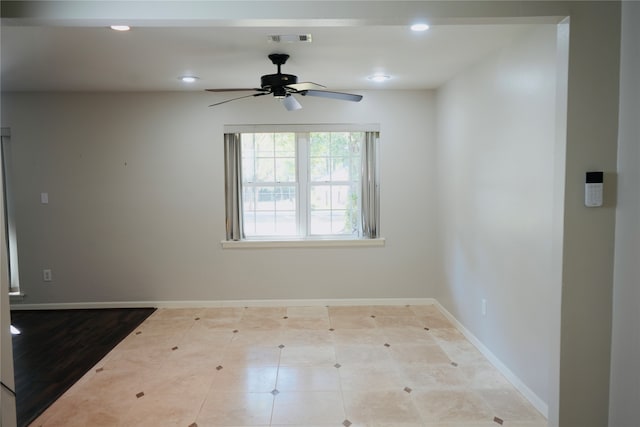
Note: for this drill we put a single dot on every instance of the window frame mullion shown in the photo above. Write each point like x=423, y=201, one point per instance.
x=302, y=163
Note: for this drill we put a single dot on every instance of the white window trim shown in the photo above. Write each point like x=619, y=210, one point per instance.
x=302, y=152
x=328, y=127
x=301, y=243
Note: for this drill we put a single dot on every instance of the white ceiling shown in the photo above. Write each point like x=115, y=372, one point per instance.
x=58, y=58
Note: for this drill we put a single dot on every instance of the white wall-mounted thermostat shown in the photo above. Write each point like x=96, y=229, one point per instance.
x=593, y=189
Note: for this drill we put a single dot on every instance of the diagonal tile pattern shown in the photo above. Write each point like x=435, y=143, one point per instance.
x=294, y=366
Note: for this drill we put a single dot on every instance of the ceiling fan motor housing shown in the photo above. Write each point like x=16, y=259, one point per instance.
x=274, y=80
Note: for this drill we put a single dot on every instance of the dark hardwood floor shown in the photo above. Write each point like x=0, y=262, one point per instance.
x=57, y=347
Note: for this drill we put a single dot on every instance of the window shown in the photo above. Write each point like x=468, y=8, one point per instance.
x=269, y=184
x=293, y=185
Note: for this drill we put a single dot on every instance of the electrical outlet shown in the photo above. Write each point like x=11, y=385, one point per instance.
x=46, y=275
x=484, y=307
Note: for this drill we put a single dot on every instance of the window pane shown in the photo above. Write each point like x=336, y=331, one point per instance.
x=339, y=196
x=248, y=171
x=264, y=145
x=338, y=222
x=334, y=158
x=285, y=223
x=249, y=223
x=355, y=166
x=285, y=169
x=265, y=170
x=285, y=144
x=319, y=143
x=265, y=224
x=332, y=222
x=352, y=214
x=320, y=197
x=320, y=222
x=355, y=143
x=285, y=198
x=340, y=169
x=340, y=144
x=248, y=208
x=319, y=169
x=270, y=210
x=248, y=145
x=265, y=199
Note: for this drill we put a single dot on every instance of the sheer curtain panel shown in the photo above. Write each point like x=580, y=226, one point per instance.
x=370, y=186
x=233, y=186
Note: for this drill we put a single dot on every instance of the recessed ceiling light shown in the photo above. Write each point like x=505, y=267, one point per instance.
x=379, y=78
x=420, y=27
x=188, y=79
x=120, y=27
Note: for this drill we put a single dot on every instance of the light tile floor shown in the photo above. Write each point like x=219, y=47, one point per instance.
x=399, y=366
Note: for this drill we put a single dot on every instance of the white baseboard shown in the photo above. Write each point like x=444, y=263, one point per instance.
x=228, y=303
x=533, y=398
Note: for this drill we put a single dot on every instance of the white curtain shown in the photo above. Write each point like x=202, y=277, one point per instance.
x=233, y=186
x=370, y=186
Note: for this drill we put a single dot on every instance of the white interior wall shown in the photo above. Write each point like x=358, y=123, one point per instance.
x=625, y=349
x=496, y=145
x=136, y=207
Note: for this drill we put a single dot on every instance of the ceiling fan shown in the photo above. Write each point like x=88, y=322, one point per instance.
x=284, y=86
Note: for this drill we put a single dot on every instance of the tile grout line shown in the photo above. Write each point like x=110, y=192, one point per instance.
x=275, y=386
x=210, y=388
x=333, y=343
x=344, y=403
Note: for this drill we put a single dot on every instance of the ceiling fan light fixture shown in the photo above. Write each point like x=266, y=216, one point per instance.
x=290, y=103
x=120, y=27
x=379, y=78
x=279, y=92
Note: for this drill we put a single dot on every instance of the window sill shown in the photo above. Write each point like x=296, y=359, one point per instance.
x=16, y=297
x=260, y=244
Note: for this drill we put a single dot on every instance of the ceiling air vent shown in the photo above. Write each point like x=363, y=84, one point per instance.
x=290, y=38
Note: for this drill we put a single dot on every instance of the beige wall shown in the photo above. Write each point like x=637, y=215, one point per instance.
x=625, y=351
x=496, y=144
x=136, y=205
x=588, y=240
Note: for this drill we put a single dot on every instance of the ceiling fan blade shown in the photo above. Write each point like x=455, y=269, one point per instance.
x=240, y=97
x=305, y=86
x=236, y=90
x=334, y=95
x=290, y=103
